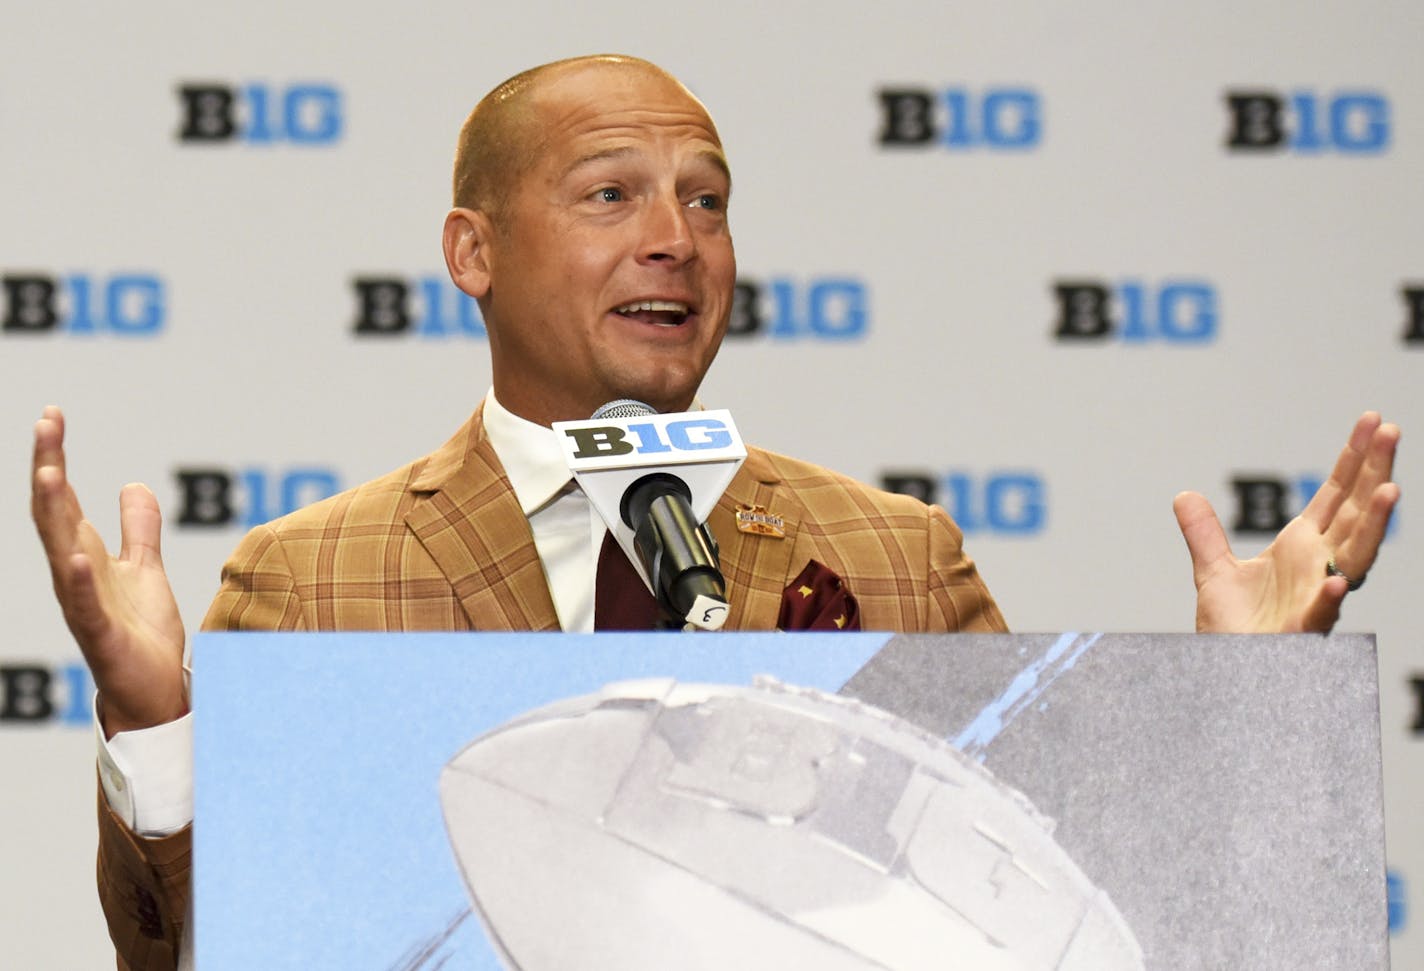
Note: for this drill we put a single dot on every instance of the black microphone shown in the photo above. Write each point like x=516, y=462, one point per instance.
x=677, y=552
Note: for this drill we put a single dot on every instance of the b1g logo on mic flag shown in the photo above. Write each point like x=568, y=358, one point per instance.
x=833, y=308
x=259, y=114
x=674, y=439
x=1175, y=311
x=120, y=304
x=1004, y=503
x=37, y=694
x=425, y=307
x=607, y=455
x=959, y=119
x=216, y=498
x=1307, y=122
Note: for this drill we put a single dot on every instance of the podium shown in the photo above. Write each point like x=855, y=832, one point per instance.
x=760, y=801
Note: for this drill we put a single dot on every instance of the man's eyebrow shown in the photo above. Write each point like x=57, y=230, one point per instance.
x=599, y=156
x=718, y=160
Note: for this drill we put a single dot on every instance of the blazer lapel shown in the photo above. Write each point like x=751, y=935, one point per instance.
x=756, y=567
x=470, y=523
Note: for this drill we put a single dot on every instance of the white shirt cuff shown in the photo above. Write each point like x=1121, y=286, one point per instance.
x=147, y=775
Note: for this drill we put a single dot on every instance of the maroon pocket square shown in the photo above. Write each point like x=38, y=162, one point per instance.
x=818, y=600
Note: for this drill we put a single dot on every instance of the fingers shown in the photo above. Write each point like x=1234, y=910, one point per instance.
x=1355, y=552
x=50, y=428
x=140, y=525
x=1359, y=520
x=53, y=504
x=1206, y=540
x=58, y=519
x=1366, y=460
x=1378, y=464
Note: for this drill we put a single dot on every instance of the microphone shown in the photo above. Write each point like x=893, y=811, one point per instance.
x=654, y=479
x=677, y=553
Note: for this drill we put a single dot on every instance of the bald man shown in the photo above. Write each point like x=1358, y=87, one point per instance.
x=590, y=223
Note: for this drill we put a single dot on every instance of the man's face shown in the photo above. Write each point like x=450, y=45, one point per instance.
x=612, y=274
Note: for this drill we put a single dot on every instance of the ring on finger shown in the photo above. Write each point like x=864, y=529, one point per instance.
x=1331, y=570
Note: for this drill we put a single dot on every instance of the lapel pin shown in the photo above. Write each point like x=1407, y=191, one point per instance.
x=757, y=521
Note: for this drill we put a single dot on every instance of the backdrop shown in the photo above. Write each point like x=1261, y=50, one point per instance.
x=1044, y=264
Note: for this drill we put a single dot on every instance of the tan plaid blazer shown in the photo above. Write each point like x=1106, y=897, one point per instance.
x=442, y=545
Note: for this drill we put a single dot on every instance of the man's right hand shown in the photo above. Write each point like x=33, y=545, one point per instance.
x=120, y=609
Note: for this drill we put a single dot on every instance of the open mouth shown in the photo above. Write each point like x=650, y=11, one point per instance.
x=663, y=313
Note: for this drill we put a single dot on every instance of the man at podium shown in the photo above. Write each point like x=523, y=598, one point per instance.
x=590, y=223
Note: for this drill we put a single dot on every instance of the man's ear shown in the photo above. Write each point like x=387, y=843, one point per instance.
x=466, y=241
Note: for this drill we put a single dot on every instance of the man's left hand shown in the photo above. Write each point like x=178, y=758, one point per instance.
x=1289, y=587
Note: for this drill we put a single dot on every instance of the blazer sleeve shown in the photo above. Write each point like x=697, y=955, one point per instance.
x=144, y=882
x=958, y=599
x=258, y=589
x=143, y=889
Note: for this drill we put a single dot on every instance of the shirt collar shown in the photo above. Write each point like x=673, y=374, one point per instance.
x=530, y=454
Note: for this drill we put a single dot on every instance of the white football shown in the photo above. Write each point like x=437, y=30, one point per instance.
x=660, y=825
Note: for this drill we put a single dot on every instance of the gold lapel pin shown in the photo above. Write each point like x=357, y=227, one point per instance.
x=759, y=522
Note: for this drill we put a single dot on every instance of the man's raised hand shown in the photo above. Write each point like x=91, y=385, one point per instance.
x=1287, y=587
x=120, y=609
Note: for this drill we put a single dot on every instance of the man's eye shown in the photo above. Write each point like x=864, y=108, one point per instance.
x=609, y=195
x=707, y=201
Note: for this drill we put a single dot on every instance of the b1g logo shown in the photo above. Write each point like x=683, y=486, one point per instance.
x=827, y=308
x=647, y=438
x=259, y=114
x=250, y=497
x=124, y=304
x=1007, y=503
x=427, y=307
x=32, y=694
x=1172, y=312
x=1414, y=324
x=996, y=118
x=1307, y=122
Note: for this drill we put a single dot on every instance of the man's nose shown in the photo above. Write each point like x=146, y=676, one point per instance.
x=667, y=234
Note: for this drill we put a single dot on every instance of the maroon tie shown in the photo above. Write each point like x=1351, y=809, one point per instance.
x=621, y=600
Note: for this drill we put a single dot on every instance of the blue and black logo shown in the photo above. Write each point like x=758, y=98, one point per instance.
x=1308, y=122
x=215, y=498
x=1175, y=311
x=308, y=114
x=682, y=435
x=84, y=304
x=832, y=308
x=429, y=307
x=40, y=694
x=1010, y=503
x=1002, y=119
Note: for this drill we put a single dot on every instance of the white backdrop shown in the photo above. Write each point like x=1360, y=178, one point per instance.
x=1072, y=144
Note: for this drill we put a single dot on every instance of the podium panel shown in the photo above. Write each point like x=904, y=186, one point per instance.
x=764, y=801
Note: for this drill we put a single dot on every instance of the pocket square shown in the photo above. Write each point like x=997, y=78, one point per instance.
x=818, y=600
